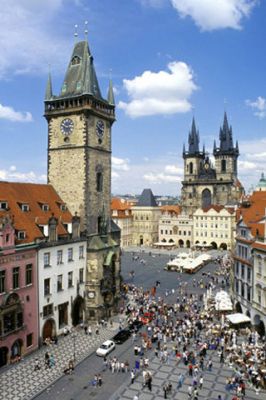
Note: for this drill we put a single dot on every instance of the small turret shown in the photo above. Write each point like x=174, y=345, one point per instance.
x=49, y=90
x=193, y=139
x=110, y=94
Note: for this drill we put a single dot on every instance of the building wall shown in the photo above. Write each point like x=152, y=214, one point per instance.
x=52, y=271
x=177, y=229
x=213, y=226
x=259, y=283
x=27, y=299
x=145, y=225
x=126, y=226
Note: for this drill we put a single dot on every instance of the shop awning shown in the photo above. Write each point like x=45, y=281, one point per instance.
x=237, y=318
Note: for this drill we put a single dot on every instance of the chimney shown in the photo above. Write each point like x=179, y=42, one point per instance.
x=75, y=226
x=52, y=228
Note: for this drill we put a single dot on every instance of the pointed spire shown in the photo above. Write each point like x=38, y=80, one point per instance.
x=203, y=149
x=184, y=149
x=193, y=139
x=214, y=146
x=225, y=124
x=110, y=94
x=49, y=90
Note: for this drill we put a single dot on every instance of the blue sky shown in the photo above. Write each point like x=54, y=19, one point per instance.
x=170, y=60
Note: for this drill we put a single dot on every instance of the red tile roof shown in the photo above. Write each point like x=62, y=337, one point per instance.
x=171, y=208
x=34, y=195
x=253, y=211
x=118, y=204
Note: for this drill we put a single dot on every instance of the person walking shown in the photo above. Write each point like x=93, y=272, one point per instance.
x=201, y=382
x=132, y=376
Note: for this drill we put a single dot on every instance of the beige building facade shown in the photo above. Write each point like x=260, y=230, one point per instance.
x=175, y=227
x=122, y=216
x=146, y=215
x=214, y=226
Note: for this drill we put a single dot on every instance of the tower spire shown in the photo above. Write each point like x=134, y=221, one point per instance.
x=110, y=94
x=193, y=139
x=49, y=90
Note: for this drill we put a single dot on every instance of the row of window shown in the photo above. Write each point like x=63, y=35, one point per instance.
x=240, y=289
x=16, y=278
x=59, y=283
x=175, y=232
x=241, y=268
x=212, y=234
x=211, y=218
x=216, y=226
x=242, y=251
x=25, y=206
x=59, y=256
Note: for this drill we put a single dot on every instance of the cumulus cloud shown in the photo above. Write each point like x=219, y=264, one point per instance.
x=209, y=15
x=28, y=37
x=12, y=174
x=15, y=116
x=161, y=178
x=163, y=92
x=259, y=106
x=120, y=164
x=246, y=165
x=174, y=169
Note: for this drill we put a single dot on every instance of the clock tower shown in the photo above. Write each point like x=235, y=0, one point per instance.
x=79, y=168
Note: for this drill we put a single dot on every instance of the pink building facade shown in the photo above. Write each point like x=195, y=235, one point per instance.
x=18, y=295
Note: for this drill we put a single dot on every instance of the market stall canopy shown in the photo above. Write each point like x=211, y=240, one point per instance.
x=238, y=318
x=223, y=301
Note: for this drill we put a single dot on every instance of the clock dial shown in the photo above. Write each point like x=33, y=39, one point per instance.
x=67, y=126
x=100, y=128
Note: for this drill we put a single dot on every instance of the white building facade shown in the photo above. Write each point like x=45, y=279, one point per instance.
x=61, y=274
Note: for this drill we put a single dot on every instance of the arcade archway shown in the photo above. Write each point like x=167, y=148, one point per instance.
x=49, y=329
x=77, y=311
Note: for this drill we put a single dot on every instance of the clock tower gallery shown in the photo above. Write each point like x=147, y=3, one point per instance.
x=79, y=168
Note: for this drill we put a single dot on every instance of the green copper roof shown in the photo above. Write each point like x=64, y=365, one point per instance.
x=81, y=77
x=49, y=90
x=262, y=182
x=110, y=95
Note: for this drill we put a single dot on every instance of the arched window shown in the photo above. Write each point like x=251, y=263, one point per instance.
x=191, y=167
x=223, y=166
x=99, y=182
x=206, y=198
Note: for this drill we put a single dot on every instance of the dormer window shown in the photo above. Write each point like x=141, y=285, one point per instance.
x=25, y=207
x=45, y=207
x=75, y=60
x=21, y=235
x=63, y=207
x=3, y=205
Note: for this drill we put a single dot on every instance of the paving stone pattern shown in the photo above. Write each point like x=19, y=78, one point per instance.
x=213, y=383
x=21, y=382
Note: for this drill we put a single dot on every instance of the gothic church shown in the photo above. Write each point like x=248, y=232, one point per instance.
x=205, y=184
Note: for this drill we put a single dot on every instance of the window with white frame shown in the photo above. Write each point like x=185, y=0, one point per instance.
x=46, y=259
x=70, y=254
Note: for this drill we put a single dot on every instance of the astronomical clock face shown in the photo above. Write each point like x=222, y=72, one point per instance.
x=67, y=126
x=100, y=128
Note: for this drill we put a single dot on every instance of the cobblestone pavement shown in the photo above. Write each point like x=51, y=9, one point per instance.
x=213, y=382
x=21, y=382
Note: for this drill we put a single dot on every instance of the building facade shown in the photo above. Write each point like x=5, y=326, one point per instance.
x=175, y=227
x=146, y=215
x=122, y=216
x=18, y=293
x=79, y=168
x=205, y=184
x=214, y=226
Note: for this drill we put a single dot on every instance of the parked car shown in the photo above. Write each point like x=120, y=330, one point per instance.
x=122, y=336
x=105, y=348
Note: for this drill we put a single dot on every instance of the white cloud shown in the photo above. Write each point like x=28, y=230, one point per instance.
x=259, y=106
x=246, y=166
x=174, y=169
x=120, y=164
x=29, y=40
x=153, y=3
x=163, y=92
x=12, y=174
x=115, y=175
x=215, y=14
x=161, y=178
x=15, y=116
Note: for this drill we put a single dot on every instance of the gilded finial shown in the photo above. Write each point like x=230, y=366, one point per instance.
x=86, y=30
x=76, y=32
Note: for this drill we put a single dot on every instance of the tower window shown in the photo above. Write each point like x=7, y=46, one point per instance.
x=75, y=60
x=191, y=168
x=99, y=182
x=223, y=166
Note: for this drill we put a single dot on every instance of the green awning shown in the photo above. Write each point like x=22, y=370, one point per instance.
x=109, y=258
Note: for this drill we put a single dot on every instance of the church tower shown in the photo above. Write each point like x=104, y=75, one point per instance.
x=79, y=168
x=226, y=154
x=193, y=161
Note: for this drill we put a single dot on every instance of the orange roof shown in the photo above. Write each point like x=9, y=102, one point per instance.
x=260, y=246
x=171, y=208
x=253, y=212
x=218, y=208
x=34, y=195
x=118, y=204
